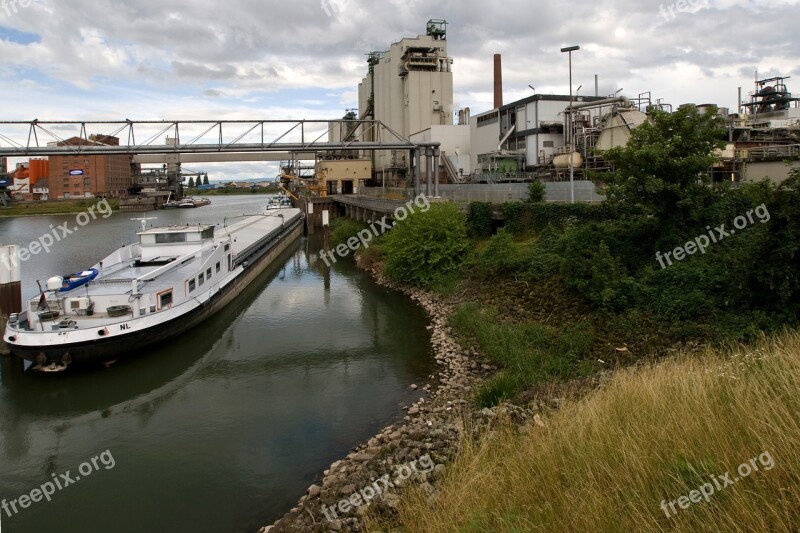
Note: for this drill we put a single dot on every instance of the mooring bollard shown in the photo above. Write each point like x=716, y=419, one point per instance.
x=10, y=288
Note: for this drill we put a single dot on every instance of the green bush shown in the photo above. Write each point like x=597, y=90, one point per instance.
x=522, y=218
x=428, y=247
x=500, y=257
x=479, y=219
x=342, y=228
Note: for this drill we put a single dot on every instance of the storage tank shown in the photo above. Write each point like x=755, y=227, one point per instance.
x=562, y=160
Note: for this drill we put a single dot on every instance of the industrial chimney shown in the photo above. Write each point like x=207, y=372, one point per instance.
x=498, y=82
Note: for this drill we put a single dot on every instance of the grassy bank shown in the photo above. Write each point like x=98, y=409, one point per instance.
x=562, y=294
x=53, y=207
x=653, y=434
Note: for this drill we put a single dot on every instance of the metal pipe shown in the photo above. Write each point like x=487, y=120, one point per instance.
x=506, y=136
x=739, y=103
x=596, y=87
x=436, y=172
x=571, y=149
x=597, y=103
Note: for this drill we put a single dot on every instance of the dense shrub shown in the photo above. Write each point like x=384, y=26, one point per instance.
x=500, y=257
x=523, y=218
x=428, y=247
x=342, y=228
x=479, y=219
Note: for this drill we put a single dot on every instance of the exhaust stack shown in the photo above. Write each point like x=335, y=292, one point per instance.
x=498, y=82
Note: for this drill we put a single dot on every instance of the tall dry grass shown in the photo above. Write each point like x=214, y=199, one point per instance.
x=605, y=463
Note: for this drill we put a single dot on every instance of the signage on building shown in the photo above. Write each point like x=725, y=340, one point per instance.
x=77, y=172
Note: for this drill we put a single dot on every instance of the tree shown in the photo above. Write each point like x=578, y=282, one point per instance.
x=536, y=192
x=662, y=170
x=191, y=183
x=205, y=179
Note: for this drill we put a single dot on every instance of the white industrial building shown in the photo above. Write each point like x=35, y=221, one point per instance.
x=455, y=149
x=528, y=133
x=408, y=88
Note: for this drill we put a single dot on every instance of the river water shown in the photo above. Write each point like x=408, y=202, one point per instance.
x=223, y=428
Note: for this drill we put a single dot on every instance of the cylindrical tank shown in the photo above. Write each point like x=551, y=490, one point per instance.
x=562, y=161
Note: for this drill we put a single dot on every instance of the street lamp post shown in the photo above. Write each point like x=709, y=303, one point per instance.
x=569, y=50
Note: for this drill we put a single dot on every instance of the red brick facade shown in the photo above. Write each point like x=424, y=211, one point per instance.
x=81, y=176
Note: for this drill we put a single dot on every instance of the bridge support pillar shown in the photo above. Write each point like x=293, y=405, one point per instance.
x=428, y=170
x=414, y=157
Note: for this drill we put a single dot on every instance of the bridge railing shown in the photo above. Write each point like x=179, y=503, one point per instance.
x=387, y=193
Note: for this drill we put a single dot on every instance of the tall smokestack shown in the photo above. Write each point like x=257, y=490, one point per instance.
x=498, y=82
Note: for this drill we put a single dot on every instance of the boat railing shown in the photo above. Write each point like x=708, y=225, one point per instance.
x=114, y=281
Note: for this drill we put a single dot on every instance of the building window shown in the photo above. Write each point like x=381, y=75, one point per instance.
x=164, y=238
x=165, y=299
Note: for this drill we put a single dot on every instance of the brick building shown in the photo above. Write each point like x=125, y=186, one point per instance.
x=90, y=176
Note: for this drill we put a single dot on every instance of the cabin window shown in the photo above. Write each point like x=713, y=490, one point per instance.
x=165, y=238
x=207, y=233
x=202, y=279
x=165, y=299
x=227, y=247
x=208, y=273
x=192, y=285
x=218, y=267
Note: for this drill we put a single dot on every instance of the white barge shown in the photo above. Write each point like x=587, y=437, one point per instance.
x=143, y=294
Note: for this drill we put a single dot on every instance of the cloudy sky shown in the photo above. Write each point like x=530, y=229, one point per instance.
x=303, y=59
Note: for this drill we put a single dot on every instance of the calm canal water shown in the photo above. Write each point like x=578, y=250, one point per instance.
x=221, y=429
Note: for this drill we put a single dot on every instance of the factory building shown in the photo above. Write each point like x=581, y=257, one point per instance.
x=26, y=177
x=408, y=88
x=91, y=176
x=764, y=136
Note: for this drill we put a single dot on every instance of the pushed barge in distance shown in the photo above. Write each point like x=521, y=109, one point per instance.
x=145, y=293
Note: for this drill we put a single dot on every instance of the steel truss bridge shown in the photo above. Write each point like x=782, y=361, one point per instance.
x=179, y=141
x=308, y=137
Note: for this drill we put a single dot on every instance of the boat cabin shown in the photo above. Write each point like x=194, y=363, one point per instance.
x=162, y=245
